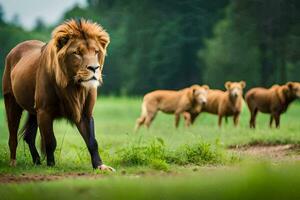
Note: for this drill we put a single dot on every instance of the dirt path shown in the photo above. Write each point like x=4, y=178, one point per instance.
x=9, y=178
x=275, y=152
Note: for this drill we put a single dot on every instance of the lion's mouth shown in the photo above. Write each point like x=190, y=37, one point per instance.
x=90, y=79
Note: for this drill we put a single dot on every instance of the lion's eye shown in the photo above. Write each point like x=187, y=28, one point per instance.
x=96, y=52
x=76, y=52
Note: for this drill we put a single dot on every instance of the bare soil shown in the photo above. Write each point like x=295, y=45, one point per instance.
x=9, y=178
x=274, y=152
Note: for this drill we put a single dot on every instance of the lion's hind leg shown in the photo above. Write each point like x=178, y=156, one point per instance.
x=139, y=122
x=149, y=119
x=29, y=132
x=143, y=118
x=13, y=114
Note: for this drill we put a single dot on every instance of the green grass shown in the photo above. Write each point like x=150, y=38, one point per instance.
x=115, y=120
x=253, y=182
x=176, y=152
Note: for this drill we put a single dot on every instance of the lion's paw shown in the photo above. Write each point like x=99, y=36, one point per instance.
x=13, y=163
x=106, y=168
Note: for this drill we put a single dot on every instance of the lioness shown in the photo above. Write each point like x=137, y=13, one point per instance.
x=274, y=100
x=222, y=103
x=172, y=102
x=54, y=80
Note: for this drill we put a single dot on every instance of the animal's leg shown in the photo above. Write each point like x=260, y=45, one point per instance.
x=177, y=119
x=220, y=120
x=253, y=118
x=271, y=121
x=277, y=120
x=13, y=114
x=139, y=122
x=193, y=117
x=30, y=135
x=236, y=118
x=150, y=117
x=187, y=119
x=45, y=123
x=87, y=131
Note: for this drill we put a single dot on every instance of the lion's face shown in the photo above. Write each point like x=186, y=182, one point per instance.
x=82, y=61
x=76, y=53
x=235, y=89
x=294, y=88
x=200, y=93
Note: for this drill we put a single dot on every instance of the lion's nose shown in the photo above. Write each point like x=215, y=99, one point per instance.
x=93, y=68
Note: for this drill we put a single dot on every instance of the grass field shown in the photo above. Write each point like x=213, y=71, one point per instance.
x=162, y=162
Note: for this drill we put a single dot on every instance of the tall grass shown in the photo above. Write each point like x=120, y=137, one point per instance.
x=158, y=156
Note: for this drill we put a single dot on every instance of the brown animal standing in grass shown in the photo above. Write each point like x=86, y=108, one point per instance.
x=172, y=102
x=54, y=80
x=223, y=104
x=274, y=100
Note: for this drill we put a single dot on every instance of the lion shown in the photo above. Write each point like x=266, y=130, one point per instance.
x=172, y=102
x=222, y=103
x=274, y=100
x=53, y=80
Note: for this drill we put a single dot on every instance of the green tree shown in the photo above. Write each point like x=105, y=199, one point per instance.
x=256, y=38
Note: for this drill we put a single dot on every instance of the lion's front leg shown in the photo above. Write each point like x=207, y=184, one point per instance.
x=177, y=118
x=87, y=131
x=187, y=118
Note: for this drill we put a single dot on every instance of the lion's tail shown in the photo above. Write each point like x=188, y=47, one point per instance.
x=27, y=129
x=144, y=110
x=141, y=120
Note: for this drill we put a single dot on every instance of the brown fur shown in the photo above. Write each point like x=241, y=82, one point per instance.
x=55, y=80
x=228, y=103
x=172, y=102
x=274, y=100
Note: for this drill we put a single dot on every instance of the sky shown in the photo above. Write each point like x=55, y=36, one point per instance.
x=29, y=10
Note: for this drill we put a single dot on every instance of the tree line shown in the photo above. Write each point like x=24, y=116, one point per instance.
x=172, y=44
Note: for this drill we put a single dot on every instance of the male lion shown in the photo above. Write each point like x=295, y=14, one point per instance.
x=222, y=103
x=172, y=102
x=58, y=79
x=274, y=100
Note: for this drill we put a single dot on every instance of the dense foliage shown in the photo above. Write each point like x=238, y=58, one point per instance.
x=172, y=44
x=257, y=41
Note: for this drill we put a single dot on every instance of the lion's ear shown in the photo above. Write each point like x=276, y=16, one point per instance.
x=290, y=85
x=194, y=88
x=205, y=87
x=243, y=84
x=61, y=42
x=227, y=85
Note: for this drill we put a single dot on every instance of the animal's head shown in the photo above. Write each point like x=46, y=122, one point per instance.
x=200, y=93
x=293, y=89
x=76, y=53
x=235, y=89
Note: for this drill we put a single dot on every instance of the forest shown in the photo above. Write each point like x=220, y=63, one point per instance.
x=173, y=44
